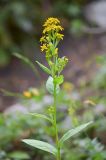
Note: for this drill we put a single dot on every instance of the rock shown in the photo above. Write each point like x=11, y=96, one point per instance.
x=96, y=12
x=16, y=108
x=99, y=109
x=47, y=100
x=30, y=106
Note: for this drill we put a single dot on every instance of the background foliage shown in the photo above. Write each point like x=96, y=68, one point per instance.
x=20, y=29
x=21, y=21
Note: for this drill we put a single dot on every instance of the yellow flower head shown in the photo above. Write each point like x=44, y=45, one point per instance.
x=35, y=92
x=51, y=37
x=59, y=36
x=89, y=102
x=44, y=47
x=52, y=27
x=67, y=86
x=27, y=94
x=56, y=51
x=51, y=21
x=42, y=39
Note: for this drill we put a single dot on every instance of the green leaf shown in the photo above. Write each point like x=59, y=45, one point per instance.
x=59, y=80
x=41, y=116
x=41, y=145
x=50, y=86
x=27, y=61
x=45, y=69
x=11, y=94
x=19, y=155
x=72, y=132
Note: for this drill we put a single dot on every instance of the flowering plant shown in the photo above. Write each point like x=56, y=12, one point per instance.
x=49, y=41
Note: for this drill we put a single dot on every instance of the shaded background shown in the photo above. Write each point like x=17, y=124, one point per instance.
x=20, y=30
x=83, y=94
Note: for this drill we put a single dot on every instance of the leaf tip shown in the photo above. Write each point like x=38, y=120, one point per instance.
x=24, y=140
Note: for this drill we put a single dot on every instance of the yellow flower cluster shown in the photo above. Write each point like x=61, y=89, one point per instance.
x=89, y=102
x=51, y=21
x=67, y=86
x=59, y=36
x=51, y=35
x=42, y=39
x=44, y=47
x=52, y=27
x=27, y=94
x=31, y=93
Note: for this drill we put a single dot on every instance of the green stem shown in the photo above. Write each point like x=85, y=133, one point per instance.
x=55, y=126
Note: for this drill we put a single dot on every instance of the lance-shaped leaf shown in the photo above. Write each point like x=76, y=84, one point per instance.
x=72, y=132
x=11, y=94
x=41, y=116
x=27, y=61
x=41, y=145
x=45, y=69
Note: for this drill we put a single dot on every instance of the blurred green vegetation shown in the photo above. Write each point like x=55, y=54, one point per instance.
x=21, y=21
x=100, y=79
x=20, y=25
x=16, y=125
x=72, y=110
